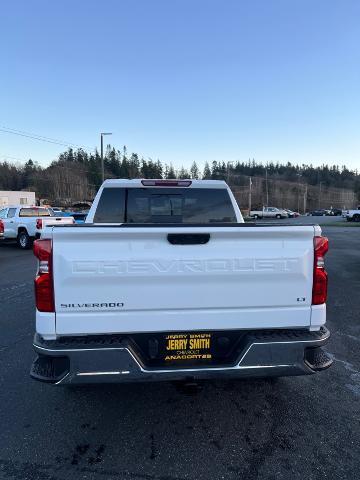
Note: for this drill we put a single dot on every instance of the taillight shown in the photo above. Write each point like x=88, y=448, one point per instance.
x=319, y=293
x=39, y=223
x=2, y=228
x=44, y=290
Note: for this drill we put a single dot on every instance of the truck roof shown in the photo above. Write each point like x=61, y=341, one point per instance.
x=141, y=182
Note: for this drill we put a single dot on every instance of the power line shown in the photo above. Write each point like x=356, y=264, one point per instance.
x=42, y=138
x=33, y=137
x=55, y=141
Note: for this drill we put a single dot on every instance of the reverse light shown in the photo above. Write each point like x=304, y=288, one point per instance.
x=319, y=292
x=44, y=289
x=166, y=183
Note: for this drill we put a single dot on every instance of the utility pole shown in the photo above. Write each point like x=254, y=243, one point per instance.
x=267, y=188
x=320, y=194
x=305, y=198
x=298, y=195
x=250, y=185
x=228, y=172
x=102, y=154
x=298, y=192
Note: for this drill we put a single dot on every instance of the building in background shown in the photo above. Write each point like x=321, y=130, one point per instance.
x=16, y=198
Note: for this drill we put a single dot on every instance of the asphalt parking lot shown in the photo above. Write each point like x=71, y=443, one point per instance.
x=299, y=427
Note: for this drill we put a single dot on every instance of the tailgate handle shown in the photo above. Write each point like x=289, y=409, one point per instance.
x=188, y=238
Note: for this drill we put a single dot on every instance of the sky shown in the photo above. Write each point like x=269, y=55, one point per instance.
x=183, y=80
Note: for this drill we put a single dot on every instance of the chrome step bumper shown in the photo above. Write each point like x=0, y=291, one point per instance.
x=111, y=358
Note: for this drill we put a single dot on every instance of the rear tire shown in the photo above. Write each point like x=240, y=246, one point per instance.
x=356, y=218
x=256, y=216
x=278, y=216
x=23, y=240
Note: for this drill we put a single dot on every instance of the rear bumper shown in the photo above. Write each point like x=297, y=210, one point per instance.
x=111, y=359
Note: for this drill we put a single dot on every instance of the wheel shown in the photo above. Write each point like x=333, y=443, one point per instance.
x=278, y=216
x=23, y=240
x=356, y=218
x=256, y=216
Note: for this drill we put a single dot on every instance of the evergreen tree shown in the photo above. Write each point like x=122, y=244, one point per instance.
x=159, y=169
x=112, y=163
x=183, y=173
x=170, y=174
x=134, y=166
x=207, y=172
x=94, y=170
x=81, y=156
x=124, y=167
x=214, y=170
x=194, y=171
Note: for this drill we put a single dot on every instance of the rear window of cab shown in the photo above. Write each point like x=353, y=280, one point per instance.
x=34, y=212
x=164, y=205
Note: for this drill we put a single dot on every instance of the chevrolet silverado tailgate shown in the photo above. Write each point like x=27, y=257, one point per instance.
x=113, y=279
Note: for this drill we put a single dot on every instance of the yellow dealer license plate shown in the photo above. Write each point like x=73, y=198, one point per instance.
x=187, y=346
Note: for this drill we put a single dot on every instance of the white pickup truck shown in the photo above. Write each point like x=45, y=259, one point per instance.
x=165, y=281
x=269, y=212
x=25, y=223
x=353, y=215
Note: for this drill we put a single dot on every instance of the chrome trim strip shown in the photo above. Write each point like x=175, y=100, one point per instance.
x=68, y=350
x=125, y=372
x=262, y=366
x=60, y=381
x=122, y=372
